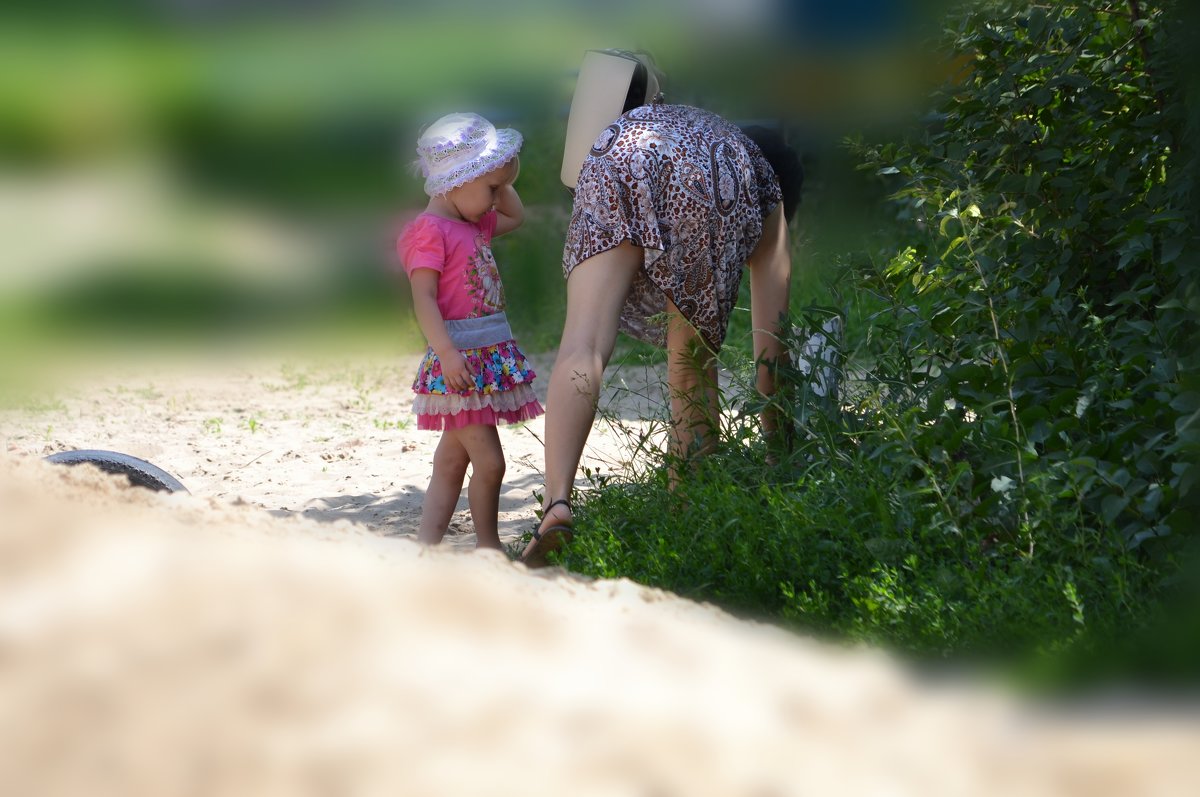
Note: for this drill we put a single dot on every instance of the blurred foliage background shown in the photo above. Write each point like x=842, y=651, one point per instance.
x=184, y=172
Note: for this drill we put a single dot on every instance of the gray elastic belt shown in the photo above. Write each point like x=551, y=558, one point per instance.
x=475, y=333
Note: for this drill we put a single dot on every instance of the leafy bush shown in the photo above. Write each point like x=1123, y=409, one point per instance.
x=1011, y=469
x=1046, y=307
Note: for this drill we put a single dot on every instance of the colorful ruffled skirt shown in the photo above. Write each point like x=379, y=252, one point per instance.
x=503, y=389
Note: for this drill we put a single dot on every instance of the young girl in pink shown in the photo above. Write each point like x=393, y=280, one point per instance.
x=473, y=376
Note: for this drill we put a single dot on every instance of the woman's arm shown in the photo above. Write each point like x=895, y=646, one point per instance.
x=425, y=290
x=509, y=210
x=770, y=283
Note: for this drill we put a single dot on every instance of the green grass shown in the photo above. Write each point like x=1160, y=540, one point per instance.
x=837, y=543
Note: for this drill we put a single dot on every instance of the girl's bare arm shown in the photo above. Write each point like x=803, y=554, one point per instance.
x=510, y=213
x=425, y=290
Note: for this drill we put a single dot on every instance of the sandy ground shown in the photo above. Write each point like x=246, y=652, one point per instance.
x=327, y=440
x=294, y=642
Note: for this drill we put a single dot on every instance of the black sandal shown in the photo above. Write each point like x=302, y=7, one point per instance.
x=548, y=539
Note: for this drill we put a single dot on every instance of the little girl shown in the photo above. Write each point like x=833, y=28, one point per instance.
x=473, y=376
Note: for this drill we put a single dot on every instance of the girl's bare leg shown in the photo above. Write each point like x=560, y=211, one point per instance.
x=482, y=444
x=449, y=468
x=596, y=290
x=692, y=383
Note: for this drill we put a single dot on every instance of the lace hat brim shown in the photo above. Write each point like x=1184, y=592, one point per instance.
x=504, y=148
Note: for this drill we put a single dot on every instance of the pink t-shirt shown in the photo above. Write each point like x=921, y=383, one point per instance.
x=469, y=285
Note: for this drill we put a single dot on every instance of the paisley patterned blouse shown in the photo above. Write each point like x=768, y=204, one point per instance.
x=692, y=190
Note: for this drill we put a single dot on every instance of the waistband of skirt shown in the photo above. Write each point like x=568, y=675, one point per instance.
x=475, y=333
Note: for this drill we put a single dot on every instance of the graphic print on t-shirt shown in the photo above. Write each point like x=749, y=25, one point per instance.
x=483, y=280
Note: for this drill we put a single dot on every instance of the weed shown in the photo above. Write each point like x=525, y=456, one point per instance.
x=293, y=377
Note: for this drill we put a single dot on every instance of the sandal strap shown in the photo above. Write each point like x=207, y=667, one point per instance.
x=562, y=501
x=538, y=533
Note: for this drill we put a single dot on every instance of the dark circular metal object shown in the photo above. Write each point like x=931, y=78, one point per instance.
x=139, y=472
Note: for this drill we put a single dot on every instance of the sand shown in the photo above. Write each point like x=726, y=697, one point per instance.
x=277, y=632
x=328, y=440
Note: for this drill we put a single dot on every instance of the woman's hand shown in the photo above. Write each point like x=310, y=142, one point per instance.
x=779, y=433
x=455, y=371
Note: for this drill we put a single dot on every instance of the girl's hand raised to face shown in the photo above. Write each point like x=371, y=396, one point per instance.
x=456, y=372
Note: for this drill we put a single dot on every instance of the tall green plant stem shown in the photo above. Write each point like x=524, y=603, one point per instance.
x=1008, y=384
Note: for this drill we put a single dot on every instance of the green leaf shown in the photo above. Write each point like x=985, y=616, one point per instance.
x=1040, y=96
x=957, y=242
x=1171, y=250
x=1186, y=402
x=1112, y=505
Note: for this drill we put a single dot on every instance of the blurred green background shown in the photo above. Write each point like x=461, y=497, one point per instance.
x=196, y=172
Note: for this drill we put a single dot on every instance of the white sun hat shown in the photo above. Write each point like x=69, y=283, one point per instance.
x=459, y=147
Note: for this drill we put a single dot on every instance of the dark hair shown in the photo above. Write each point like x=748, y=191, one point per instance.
x=785, y=162
x=637, y=88
x=639, y=84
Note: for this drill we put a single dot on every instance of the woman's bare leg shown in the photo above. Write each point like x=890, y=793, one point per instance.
x=445, y=485
x=692, y=382
x=482, y=444
x=596, y=290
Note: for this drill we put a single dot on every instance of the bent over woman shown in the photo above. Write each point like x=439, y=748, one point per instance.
x=671, y=203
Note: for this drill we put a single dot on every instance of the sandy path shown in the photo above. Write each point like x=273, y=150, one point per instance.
x=327, y=440
x=166, y=644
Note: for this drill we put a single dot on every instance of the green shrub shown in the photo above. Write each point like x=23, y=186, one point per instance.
x=1012, y=468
